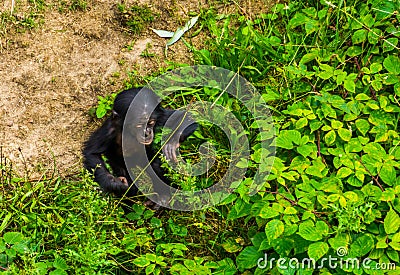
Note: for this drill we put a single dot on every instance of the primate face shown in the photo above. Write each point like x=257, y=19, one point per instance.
x=142, y=118
x=145, y=131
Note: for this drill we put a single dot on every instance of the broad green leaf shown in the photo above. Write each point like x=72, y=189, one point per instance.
x=397, y=89
x=340, y=76
x=384, y=9
x=297, y=20
x=308, y=231
x=354, y=51
x=150, y=269
x=362, y=245
x=101, y=111
x=13, y=237
x=354, y=181
x=231, y=246
x=360, y=175
x=376, y=84
x=359, y=36
x=388, y=195
x=354, y=145
x=58, y=272
x=286, y=138
x=274, y=229
x=291, y=175
x=310, y=12
x=326, y=128
x=390, y=44
x=326, y=67
x=242, y=163
x=316, y=168
x=315, y=125
x=240, y=209
x=141, y=261
x=375, y=67
x=311, y=26
x=390, y=79
x=388, y=174
x=181, y=31
x=307, y=149
x=392, y=64
x=163, y=33
x=362, y=96
x=382, y=242
x=333, y=197
x=290, y=211
x=340, y=240
x=349, y=85
x=317, y=250
x=330, y=137
x=374, y=36
x=395, y=243
x=368, y=20
x=325, y=75
x=383, y=101
x=344, y=134
x=393, y=255
x=301, y=123
x=248, y=258
x=375, y=149
x=275, y=41
x=351, y=196
x=268, y=211
x=344, y=172
x=336, y=124
x=391, y=222
x=60, y=263
x=20, y=248
x=256, y=240
x=355, y=25
x=309, y=57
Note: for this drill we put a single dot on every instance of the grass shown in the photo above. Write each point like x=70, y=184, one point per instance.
x=26, y=15
x=135, y=17
x=329, y=73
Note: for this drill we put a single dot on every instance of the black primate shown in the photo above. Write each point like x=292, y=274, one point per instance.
x=143, y=117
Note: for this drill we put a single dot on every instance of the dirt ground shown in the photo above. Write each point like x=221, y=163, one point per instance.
x=51, y=76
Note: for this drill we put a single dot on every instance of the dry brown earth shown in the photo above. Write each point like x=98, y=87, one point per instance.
x=51, y=76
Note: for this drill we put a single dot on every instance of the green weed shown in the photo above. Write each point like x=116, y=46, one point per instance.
x=135, y=17
x=330, y=74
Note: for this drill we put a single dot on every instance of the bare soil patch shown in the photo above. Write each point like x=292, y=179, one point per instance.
x=51, y=76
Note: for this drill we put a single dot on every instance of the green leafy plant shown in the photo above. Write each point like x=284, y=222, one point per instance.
x=334, y=89
x=330, y=74
x=135, y=17
x=104, y=105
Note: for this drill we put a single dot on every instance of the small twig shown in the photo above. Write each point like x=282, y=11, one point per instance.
x=358, y=65
x=12, y=6
x=295, y=203
x=374, y=178
x=360, y=73
x=373, y=94
x=120, y=265
x=318, y=144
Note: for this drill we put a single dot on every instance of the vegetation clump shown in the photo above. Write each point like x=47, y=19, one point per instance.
x=135, y=17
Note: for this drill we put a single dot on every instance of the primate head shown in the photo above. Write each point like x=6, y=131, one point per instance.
x=140, y=113
x=143, y=127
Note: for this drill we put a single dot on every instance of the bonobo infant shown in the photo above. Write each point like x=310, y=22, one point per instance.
x=144, y=116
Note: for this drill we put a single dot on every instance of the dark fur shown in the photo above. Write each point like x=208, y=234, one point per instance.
x=107, y=141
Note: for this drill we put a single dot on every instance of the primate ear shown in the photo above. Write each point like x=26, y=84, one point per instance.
x=115, y=114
